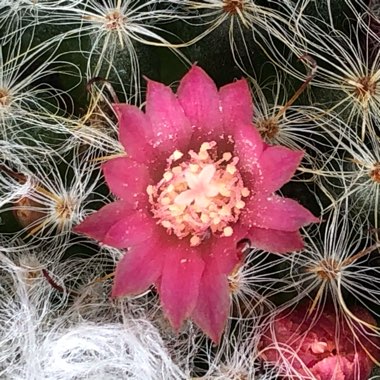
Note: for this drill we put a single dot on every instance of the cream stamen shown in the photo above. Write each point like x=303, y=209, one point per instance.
x=199, y=196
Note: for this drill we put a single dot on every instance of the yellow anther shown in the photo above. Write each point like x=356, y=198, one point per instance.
x=225, y=211
x=223, y=191
x=176, y=209
x=212, y=208
x=177, y=170
x=205, y=146
x=165, y=201
x=195, y=240
x=187, y=218
x=203, y=156
x=168, y=176
x=245, y=192
x=228, y=231
x=205, y=218
x=227, y=156
x=150, y=190
x=231, y=169
x=194, y=168
x=166, y=224
x=181, y=187
x=176, y=155
x=240, y=204
x=216, y=220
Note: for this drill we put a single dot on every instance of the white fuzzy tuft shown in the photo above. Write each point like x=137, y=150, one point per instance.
x=44, y=335
x=113, y=351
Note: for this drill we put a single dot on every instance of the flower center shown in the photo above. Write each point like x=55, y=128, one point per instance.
x=375, y=173
x=200, y=196
x=232, y=6
x=365, y=88
x=268, y=127
x=114, y=20
x=4, y=97
x=327, y=270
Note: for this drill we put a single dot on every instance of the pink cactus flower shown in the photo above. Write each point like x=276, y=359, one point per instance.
x=197, y=178
x=321, y=347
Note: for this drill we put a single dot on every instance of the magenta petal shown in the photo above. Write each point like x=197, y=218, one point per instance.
x=171, y=128
x=338, y=368
x=226, y=258
x=134, y=132
x=131, y=229
x=224, y=255
x=199, y=98
x=236, y=104
x=213, y=306
x=248, y=148
x=278, y=165
x=275, y=241
x=276, y=213
x=179, y=285
x=140, y=267
x=99, y=223
x=212, y=309
x=127, y=179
